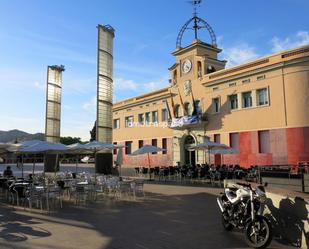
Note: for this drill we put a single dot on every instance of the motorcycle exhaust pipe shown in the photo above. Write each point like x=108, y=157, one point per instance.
x=220, y=204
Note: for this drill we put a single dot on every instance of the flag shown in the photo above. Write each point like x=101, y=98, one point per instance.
x=173, y=106
x=183, y=106
x=194, y=113
x=168, y=109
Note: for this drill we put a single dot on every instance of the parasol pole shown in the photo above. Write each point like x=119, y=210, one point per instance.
x=22, y=165
x=33, y=165
x=149, y=167
x=76, y=162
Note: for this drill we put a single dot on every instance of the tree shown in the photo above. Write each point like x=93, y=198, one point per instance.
x=93, y=132
x=70, y=140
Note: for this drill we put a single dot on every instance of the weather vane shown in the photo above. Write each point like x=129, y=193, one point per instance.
x=197, y=24
x=195, y=4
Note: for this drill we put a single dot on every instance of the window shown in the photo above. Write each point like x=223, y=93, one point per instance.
x=188, y=109
x=129, y=121
x=155, y=116
x=217, y=138
x=147, y=118
x=233, y=102
x=210, y=69
x=234, y=141
x=199, y=69
x=164, y=115
x=177, y=110
x=140, y=143
x=154, y=142
x=128, y=148
x=175, y=77
x=216, y=105
x=164, y=145
x=246, y=99
x=246, y=81
x=115, y=150
x=263, y=141
x=262, y=96
x=197, y=105
x=261, y=77
x=141, y=119
x=116, y=123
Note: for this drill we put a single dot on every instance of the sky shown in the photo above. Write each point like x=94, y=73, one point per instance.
x=35, y=34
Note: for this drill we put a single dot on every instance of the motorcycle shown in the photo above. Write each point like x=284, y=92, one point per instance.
x=242, y=208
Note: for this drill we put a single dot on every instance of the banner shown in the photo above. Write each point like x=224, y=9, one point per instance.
x=186, y=120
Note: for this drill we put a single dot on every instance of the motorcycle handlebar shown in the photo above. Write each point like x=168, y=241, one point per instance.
x=247, y=185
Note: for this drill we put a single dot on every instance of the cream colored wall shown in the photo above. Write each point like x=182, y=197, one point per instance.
x=136, y=133
x=285, y=82
x=296, y=80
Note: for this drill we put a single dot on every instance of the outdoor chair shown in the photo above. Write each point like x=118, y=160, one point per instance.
x=80, y=194
x=53, y=195
x=33, y=195
x=126, y=189
x=138, y=188
x=137, y=171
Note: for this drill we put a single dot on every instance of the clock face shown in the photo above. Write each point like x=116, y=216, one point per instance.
x=186, y=66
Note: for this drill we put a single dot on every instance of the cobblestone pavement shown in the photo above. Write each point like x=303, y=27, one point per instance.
x=180, y=217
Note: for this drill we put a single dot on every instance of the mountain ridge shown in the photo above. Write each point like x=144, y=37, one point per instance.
x=15, y=134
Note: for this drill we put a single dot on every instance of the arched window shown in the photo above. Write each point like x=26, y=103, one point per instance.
x=199, y=69
x=211, y=69
x=175, y=77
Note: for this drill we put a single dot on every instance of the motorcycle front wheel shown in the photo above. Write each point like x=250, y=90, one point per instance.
x=226, y=224
x=258, y=233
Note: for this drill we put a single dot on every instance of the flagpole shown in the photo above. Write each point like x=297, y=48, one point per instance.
x=183, y=106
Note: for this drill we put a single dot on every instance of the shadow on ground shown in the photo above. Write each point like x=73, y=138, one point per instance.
x=161, y=220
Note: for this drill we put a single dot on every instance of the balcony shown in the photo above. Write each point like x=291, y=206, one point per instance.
x=189, y=122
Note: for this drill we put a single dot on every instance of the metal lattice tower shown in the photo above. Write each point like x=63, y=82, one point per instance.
x=196, y=23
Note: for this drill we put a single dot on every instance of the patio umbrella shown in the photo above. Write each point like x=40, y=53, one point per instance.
x=43, y=147
x=77, y=149
x=96, y=146
x=147, y=149
x=224, y=152
x=209, y=146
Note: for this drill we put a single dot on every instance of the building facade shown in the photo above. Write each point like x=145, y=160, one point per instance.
x=260, y=108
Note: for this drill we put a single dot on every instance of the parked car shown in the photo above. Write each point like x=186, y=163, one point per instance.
x=87, y=159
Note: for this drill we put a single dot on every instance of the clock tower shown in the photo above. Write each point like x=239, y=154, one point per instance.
x=193, y=62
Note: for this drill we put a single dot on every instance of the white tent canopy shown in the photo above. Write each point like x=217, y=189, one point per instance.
x=43, y=147
x=209, y=145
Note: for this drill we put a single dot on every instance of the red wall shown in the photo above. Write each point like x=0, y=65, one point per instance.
x=287, y=146
x=158, y=159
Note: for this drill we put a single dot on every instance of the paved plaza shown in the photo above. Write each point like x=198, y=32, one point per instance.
x=179, y=217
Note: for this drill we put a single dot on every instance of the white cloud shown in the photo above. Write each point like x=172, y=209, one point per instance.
x=39, y=86
x=91, y=105
x=79, y=84
x=301, y=38
x=239, y=54
x=155, y=85
x=121, y=84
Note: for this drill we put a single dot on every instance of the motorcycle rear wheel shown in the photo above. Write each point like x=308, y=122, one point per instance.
x=226, y=224
x=258, y=233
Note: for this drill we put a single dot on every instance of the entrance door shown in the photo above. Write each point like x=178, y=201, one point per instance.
x=190, y=156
